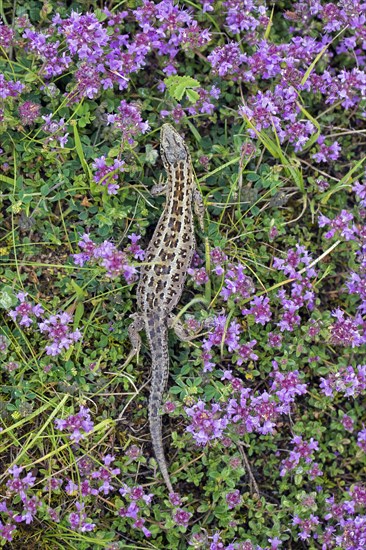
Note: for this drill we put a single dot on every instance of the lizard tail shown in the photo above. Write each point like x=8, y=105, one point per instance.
x=158, y=334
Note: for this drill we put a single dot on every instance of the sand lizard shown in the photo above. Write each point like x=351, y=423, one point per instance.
x=162, y=278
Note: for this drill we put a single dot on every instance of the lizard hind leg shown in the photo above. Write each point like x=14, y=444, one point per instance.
x=133, y=332
x=199, y=207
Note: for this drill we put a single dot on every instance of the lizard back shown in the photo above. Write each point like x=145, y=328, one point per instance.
x=171, y=248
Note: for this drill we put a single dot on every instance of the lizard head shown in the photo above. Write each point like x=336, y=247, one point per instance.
x=172, y=146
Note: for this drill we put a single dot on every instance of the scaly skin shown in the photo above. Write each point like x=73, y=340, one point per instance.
x=160, y=287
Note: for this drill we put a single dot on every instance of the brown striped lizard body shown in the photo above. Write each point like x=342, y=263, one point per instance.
x=163, y=275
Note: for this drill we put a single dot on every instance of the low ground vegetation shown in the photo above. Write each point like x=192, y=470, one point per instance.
x=265, y=417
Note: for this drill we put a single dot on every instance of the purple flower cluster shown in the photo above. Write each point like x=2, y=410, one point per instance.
x=260, y=309
x=361, y=439
x=102, y=54
x=128, y=121
x=24, y=312
x=326, y=153
x=245, y=411
x=136, y=499
x=108, y=256
x=56, y=129
x=199, y=275
x=57, y=329
x=94, y=481
x=306, y=526
x=301, y=289
x=286, y=385
x=221, y=332
x=206, y=424
x=203, y=105
x=8, y=88
x=237, y=284
x=342, y=526
x=346, y=330
x=106, y=173
x=29, y=112
x=233, y=499
x=302, y=455
x=286, y=65
x=339, y=225
x=182, y=517
x=75, y=423
x=219, y=259
x=6, y=35
x=279, y=110
x=19, y=486
x=350, y=381
x=78, y=520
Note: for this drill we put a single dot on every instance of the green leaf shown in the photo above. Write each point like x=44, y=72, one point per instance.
x=79, y=150
x=5, y=179
x=7, y=298
x=177, y=85
x=79, y=312
x=80, y=293
x=192, y=95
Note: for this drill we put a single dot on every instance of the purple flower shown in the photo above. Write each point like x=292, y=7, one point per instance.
x=274, y=340
x=29, y=112
x=175, y=499
x=78, y=424
x=84, y=35
x=350, y=381
x=135, y=248
x=306, y=526
x=78, y=519
x=245, y=352
x=345, y=331
x=199, y=276
x=229, y=335
x=128, y=121
x=347, y=423
x=303, y=450
x=227, y=59
x=9, y=88
x=286, y=385
x=360, y=192
x=341, y=224
x=275, y=543
x=139, y=524
x=106, y=174
x=327, y=153
x=361, y=439
x=233, y=499
x=237, y=284
x=134, y=452
x=58, y=332
x=6, y=35
x=181, y=517
x=294, y=260
x=206, y=425
x=108, y=256
x=20, y=485
x=24, y=312
x=6, y=531
x=260, y=309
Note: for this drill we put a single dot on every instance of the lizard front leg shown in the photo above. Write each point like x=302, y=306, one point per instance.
x=159, y=188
